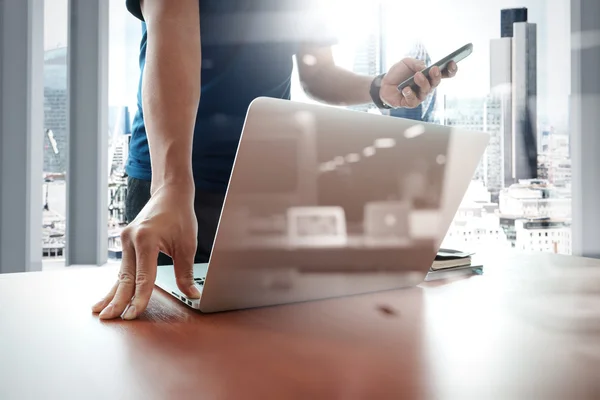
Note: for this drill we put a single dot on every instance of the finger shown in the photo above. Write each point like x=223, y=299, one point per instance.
x=127, y=255
x=450, y=70
x=183, y=260
x=394, y=101
x=410, y=99
x=423, y=85
x=435, y=77
x=125, y=287
x=391, y=96
x=99, y=306
x=146, y=264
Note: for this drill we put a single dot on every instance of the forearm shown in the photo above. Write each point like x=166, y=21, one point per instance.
x=328, y=83
x=338, y=86
x=171, y=92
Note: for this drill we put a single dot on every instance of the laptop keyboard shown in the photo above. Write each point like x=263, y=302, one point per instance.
x=199, y=281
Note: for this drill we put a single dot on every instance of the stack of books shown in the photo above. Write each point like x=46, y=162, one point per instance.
x=452, y=263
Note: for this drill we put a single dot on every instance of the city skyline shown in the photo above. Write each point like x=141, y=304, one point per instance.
x=473, y=80
x=478, y=22
x=514, y=81
x=471, y=85
x=124, y=38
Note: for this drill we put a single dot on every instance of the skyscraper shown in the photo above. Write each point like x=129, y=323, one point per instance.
x=524, y=100
x=367, y=60
x=369, y=57
x=492, y=123
x=513, y=79
x=480, y=114
x=118, y=143
x=55, y=110
x=508, y=17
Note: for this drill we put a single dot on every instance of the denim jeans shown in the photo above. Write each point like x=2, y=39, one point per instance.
x=206, y=205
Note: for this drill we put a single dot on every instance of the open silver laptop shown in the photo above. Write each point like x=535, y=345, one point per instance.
x=326, y=202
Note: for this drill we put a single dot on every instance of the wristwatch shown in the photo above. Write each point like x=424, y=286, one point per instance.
x=374, y=92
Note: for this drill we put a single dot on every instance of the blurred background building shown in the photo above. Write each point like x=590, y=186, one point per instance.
x=522, y=186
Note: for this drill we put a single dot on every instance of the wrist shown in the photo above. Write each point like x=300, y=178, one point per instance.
x=176, y=178
x=181, y=188
x=375, y=92
x=172, y=167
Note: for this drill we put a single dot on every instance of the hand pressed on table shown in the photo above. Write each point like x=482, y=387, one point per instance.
x=166, y=224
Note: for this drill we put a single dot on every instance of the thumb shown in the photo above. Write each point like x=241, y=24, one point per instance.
x=183, y=261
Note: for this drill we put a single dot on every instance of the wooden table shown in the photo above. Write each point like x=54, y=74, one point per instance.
x=529, y=328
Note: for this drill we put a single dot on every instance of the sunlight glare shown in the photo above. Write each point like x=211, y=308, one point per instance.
x=309, y=59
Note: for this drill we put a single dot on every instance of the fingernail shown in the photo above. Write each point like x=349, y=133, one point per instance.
x=194, y=292
x=107, y=311
x=435, y=72
x=129, y=313
x=96, y=308
x=406, y=91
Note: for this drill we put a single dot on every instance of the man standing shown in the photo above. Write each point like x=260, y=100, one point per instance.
x=202, y=63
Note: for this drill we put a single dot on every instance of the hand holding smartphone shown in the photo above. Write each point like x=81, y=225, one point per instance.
x=456, y=56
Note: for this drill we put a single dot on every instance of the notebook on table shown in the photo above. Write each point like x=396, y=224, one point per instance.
x=447, y=258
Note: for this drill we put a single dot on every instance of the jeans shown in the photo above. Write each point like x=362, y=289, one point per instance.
x=207, y=207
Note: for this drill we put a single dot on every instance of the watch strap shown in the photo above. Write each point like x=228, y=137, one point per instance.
x=374, y=92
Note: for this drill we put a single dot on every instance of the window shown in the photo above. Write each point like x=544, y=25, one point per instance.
x=55, y=132
x=124, y=37
x=468, y=101
x=125, y=34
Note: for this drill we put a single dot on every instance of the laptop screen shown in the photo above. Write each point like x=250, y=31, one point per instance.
x=275, y=171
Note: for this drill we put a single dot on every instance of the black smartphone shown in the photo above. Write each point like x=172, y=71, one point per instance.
x=456, y=56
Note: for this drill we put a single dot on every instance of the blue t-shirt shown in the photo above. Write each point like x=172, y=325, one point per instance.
x=247, y=52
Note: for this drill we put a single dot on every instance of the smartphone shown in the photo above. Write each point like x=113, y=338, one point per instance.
x=456, y=56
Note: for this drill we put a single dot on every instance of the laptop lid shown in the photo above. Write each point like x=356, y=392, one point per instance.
x=326, y=202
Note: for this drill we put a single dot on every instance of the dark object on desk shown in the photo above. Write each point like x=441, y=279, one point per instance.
x=447, y=258
x=387, y=310
x=450, y=264
x=457, y=272
x=450, y=254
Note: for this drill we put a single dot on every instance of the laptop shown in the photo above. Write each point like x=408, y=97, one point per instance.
x=326, y=202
